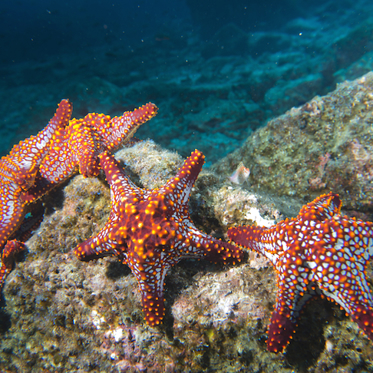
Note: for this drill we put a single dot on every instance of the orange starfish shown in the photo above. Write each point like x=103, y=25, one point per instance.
x=40, y=163
x=18, y=172
x=77, y=147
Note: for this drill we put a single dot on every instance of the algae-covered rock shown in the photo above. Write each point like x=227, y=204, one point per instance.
x=62, y=315
x=324, y=145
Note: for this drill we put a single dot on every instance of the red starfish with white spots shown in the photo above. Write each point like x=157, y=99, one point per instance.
x=151, y=230
x=18, y=172
x=318, y=252
x=40, y=163
x=80, y=143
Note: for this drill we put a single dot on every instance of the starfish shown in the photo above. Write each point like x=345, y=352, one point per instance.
x=318, y=247
x=80, y=143
x=42, y=162
x=18, y=171
x=151, y=230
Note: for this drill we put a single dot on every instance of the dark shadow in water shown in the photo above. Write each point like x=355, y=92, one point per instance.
x=308, y=342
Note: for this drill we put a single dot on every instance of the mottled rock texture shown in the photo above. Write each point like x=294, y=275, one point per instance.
x=60, y=314
x=324, y=145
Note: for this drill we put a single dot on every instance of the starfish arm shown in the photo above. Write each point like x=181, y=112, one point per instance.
x=341, y=252
x=120, y=183
x=88, y=163
x=247, y=236
x=153, y=306
x=217, y=251
x=150, y=272
x=33, y=149
x=293, y=292
x=280, y=331
x=11, y=211
x=195, y=244
x=258, y=238
x=40, y=142
x=353, y=298
x=363, y=316
x=11, y=248
x=21, y=165
x=41, y=186
x=120, y=129
x=353, y=295
x=56, y=167
x=278, y=244
x=284, y=319
x=178, y=188
x=17, y=171
x=62, y=116
x=105, y=243
x=323, y=207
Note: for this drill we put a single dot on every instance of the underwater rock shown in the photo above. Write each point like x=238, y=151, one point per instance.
x=324, y=145
x=60, y=314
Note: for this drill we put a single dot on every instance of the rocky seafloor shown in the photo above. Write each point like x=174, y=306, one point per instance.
x=325, y=144
x=60, y=314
